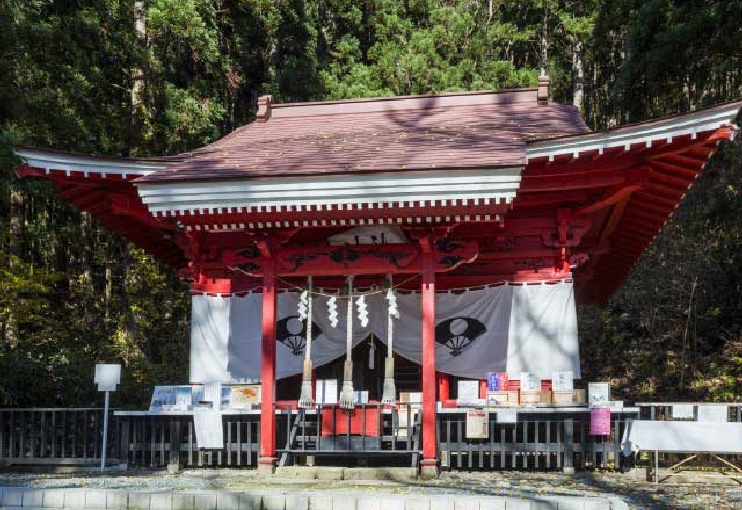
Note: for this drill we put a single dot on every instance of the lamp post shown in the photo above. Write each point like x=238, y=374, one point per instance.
x=107, y=377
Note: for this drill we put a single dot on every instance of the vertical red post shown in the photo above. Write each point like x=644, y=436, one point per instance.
x=267, y=458
x=442, y=384
x=429, y=463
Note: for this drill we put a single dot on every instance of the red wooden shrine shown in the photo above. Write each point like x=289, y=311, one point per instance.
x=486, y=187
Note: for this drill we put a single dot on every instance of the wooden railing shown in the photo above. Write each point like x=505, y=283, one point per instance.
x=369, y=430
x=538, y=441
x=53, y=436
x=663, y=410
x=161, y=440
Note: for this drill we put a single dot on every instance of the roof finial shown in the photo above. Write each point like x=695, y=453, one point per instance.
x=264, y=108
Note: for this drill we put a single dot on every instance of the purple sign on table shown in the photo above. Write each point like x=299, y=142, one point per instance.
x=600, y=421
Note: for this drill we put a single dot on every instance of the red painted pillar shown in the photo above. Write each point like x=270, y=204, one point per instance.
x=442, y=385
x=267, y=458
x=429, y=462
x=483, y=388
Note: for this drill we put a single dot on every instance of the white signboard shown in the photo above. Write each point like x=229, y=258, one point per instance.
x=530, y=382
x=468, y=392
x=327, y=391
x=163, y=397
x=562, y=381
x=712, y=413
x=208, y=428
x=213, y=394
x=683, y=412
x=183, y=398
x=477, y=424
x=107, y=376
x=598, y=394
x=507, y=415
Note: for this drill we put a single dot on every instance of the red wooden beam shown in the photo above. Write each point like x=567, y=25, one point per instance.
x=429, y=461
x=267, y=458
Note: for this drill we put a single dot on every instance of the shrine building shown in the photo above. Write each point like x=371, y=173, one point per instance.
x=469, y=224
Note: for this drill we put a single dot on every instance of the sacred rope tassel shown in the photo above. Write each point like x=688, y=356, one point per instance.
x=389, y=395
x=347, y=398
x=305, y=399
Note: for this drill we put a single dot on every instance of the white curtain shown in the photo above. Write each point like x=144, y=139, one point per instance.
x=543, y=331
x=505, y=328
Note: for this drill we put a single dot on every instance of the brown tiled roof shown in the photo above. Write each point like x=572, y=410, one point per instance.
x=460, y=130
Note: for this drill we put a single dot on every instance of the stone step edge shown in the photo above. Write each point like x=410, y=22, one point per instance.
x=12, y=498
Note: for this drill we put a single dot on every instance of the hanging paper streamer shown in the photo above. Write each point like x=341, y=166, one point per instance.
x=389, y=395
x=362, y=310
x=332, y=311
x=392, y=298
x=303, y=305
x=347, y=397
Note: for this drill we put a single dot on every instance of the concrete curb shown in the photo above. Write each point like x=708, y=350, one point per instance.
x=120, y=499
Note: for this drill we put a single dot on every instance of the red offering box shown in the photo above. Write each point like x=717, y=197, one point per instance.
x=356, y=421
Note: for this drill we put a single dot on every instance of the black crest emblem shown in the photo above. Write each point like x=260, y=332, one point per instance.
x=291, y=331
x=458, y=333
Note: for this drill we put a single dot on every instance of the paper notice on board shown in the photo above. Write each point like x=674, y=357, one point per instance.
x=712, y=413
x=507, y=416
x=477, y=424
x=683, y=412
x=562, y=381
x=208, y=428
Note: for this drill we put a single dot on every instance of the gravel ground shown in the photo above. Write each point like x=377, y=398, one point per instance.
x=638, y=494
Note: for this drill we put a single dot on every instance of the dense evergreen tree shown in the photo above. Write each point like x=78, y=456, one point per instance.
x=139, y=77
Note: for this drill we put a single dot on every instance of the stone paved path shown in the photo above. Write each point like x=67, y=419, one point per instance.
x=635, y=493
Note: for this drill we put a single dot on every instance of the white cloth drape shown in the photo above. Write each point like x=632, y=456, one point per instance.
x=505, y=328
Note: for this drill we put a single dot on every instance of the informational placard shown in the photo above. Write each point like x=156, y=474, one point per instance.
x=712, y=413
x=682, y=412
x=243, y=397
x=360, y=397
x=183, y=398
x=477, y=424
x=600, y=421
x=562, y=381
x=327, y=391
x=497, y=381
x=213, y=394
x=530, y=382
x=107, y=376
x=163, y=398
x=507, y=415
x=468, y=392
x=598, y=394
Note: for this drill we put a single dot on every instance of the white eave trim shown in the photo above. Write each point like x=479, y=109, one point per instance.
x=690, y=124
x=485, y=186
x=86, y=165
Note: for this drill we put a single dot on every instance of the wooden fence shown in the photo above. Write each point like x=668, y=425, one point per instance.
x=538, y=441
x=53, y=436
x=157, y=441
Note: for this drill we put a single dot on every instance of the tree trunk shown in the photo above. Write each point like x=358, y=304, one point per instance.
x=545, y=41
x=10, y=328
x=140, y=124
x=578, y=75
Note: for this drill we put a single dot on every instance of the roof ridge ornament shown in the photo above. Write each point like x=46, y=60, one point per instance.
x=542, y=94
x=264, y=108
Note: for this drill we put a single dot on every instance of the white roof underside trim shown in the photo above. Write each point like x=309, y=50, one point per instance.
x=690, y=124
x=86, y=165
x=486, y=185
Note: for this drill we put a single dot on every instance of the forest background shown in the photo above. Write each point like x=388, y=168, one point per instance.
x=156, y=77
